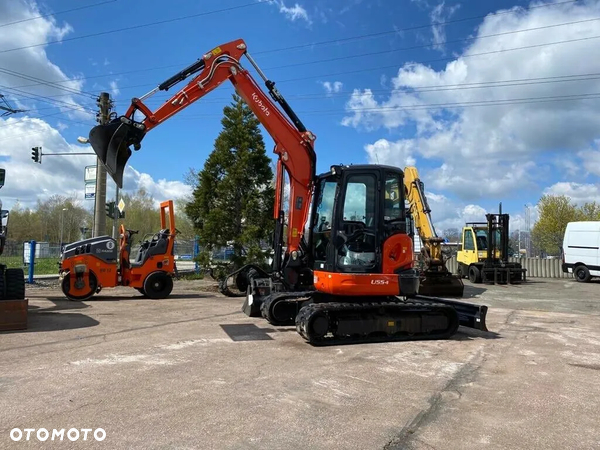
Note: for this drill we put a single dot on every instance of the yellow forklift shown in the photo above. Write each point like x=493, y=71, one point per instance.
x=483, y=252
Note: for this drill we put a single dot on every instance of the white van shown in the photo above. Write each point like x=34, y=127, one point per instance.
x=581, y=250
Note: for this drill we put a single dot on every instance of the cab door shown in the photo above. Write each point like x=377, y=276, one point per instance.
x=468, y=254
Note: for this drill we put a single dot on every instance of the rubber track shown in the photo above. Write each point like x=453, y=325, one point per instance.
x=270, y=300
x=224, y=289
x=309, y=311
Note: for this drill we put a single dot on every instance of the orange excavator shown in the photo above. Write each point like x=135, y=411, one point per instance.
x=343, y=272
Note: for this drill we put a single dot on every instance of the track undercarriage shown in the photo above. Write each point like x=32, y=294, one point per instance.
x=323, y=319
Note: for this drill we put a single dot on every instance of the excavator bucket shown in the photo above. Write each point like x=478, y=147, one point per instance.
x=441, y=285
x=111, y=143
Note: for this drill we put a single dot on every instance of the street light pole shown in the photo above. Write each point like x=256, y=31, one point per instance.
x=62, y=225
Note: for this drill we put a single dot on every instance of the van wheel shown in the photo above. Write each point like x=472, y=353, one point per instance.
x=474, y=274
x=582, y=274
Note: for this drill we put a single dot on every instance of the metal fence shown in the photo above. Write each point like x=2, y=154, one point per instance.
x=47, y=255
x=536, y=267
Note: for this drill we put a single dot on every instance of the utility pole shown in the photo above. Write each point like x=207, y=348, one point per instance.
x=103, y=117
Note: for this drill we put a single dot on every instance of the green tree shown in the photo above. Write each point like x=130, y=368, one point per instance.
x=452, y=234
x=52, y=217
x=555, y=212
x=589, y=211
x=142, y=213
x=232, y=202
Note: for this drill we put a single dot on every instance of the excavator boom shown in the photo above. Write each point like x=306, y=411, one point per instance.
x=293, y=142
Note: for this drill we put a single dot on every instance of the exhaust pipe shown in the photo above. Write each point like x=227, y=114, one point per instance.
x=111, y=144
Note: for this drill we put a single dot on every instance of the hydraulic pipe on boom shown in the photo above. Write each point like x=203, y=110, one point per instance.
x=340, y=279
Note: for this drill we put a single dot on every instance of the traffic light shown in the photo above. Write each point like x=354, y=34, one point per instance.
x=36, y=154
x=121, y=215
x=110, y=209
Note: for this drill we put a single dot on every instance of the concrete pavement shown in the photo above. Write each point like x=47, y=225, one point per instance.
x=193, y=372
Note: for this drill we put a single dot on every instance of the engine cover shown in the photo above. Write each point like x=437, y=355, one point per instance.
x=102, y=247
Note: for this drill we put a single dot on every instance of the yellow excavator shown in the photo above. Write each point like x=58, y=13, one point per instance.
x=435, y=278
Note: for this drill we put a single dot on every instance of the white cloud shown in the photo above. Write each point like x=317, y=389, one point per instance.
x=391, y=153
x=590, y=158
x=293, y=13
x=332, y=87
x=161, y=189
x=579, y=193
x=499, y=149
x=34, y=63
x=446, y=213
x=440, y=14
x=27, y=181
x=114, y=87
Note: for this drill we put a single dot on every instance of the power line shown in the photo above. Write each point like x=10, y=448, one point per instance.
x=46, y=83
x=357, y=37
x=57, y=13
x=134, y=27
x=361, y=55
x=289, y=80
x=438, y=59
x=400, y=30
x=44, y=99
x=456, y=105
x=73, y=91
x=435, y=88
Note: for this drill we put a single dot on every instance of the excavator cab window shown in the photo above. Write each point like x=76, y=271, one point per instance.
x=324, y=220
x=393, y=209
x=359, y=222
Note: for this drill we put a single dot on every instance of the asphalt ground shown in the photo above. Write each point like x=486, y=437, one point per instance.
x=193, y=371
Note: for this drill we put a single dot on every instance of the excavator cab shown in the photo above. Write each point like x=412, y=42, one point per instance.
x=355, y=217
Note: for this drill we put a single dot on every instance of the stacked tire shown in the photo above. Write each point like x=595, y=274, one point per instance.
x=12, y=284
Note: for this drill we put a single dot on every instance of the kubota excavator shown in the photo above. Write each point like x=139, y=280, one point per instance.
x=436, y=279
x=346, y=274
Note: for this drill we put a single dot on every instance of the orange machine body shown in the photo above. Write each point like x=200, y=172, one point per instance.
x=87, y=273
x=397, y=256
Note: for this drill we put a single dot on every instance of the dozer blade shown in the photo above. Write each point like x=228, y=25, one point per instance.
x=111, y=143
x=438, y=285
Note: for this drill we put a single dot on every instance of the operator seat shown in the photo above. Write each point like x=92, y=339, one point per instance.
x=158, y=247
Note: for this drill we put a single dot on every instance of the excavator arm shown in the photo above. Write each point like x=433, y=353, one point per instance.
x=293, y=142
x=436, y=279
x=421, y=214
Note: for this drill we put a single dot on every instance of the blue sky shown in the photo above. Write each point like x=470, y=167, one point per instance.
x=470, y=157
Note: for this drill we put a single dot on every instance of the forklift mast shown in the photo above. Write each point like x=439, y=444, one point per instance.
x=497, y=228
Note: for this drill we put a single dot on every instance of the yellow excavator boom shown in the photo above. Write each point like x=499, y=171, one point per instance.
x=436, y=279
